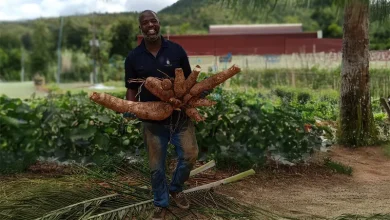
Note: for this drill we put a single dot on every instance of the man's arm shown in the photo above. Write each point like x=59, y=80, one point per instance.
x=132, y=88
x=130, y=74
x=130, y=95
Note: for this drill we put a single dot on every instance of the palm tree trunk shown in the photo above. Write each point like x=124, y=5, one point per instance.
x=357, y=126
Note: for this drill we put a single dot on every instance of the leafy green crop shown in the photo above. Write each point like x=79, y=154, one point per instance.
x=67, y=127
x=242, y=129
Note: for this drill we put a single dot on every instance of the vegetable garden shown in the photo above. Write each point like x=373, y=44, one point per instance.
x=245, y=127
x=248, y=124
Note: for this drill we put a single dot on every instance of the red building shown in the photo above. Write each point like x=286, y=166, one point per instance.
x=262, y=40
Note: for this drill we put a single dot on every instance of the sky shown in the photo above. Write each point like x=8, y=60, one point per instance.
x=11, y=10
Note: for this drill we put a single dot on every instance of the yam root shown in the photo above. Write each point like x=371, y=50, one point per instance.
x=166, y=84
x=191, y=79
x=187, y=98
x=199, y=102
x=179, y=83
x=176, y=103
x=214, y=80
x=194, y=114
x=155, y=87
x=175, y=94
x=144, y=110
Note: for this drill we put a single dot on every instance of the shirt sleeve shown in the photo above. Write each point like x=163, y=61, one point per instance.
x=130, y=73
x=185, y=63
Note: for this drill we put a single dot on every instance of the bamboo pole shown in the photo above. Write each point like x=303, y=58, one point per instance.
x=203, y=168
x=222, y=182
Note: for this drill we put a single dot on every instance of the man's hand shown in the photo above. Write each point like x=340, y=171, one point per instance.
x=206, y=93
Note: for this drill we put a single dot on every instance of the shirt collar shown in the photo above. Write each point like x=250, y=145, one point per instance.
x=164, y=43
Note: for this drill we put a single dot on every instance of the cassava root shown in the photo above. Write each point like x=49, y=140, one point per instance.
x=175, y=94
x=144, y=110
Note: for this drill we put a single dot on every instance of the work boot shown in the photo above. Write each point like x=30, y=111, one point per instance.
x=159, y=213
x=180, y=199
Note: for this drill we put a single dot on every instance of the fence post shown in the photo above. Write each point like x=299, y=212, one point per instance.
x=293, y=78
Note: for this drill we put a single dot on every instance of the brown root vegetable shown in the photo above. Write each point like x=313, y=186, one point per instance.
x=199, y=102
x=178, y=85
x=187, y=98
x=214, y=80
x=155, y=87
x=166, y=84
x=144, y=110
x=194, y=114
x=176, y=103
x=191, y=79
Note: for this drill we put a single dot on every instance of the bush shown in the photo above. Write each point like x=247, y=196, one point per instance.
x=67, y=127
x=241, y=129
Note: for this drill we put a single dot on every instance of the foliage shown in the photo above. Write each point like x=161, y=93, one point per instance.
x=66, y=127
x=71, y=127
x=117, y=32
x=243, y=129
x=75, y=66
x=123, y=34
x=260, y=128
x=314, y=79
x=42, y=50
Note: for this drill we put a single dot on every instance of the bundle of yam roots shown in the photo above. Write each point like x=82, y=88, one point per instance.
x=176, y=93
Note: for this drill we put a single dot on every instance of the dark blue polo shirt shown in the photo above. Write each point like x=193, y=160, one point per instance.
x=140, y=64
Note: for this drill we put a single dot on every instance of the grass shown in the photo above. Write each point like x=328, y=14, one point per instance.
x=25, y=90
x=387, y=149
x=19, y=89
x=338, y=167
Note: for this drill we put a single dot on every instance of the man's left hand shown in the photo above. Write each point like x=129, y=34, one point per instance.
x=206, y=93
x=129, y=116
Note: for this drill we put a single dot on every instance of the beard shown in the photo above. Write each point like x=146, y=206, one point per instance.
x=151, y=38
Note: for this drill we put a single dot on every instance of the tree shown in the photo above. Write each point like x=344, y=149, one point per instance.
x=75, y=33
x=123, y=35
x=356, y=123
x=41, y=54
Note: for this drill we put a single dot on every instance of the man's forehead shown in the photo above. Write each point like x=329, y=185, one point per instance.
x=147, y=16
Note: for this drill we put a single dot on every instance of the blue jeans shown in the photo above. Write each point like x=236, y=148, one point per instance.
x=156, y=138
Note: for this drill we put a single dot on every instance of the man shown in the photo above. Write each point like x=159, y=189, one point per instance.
x=152, y=57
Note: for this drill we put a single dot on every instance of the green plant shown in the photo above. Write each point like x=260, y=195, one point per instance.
x=240, y=130
x=67, y=127
x=338, y=167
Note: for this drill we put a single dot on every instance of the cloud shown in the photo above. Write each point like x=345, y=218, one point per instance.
x=134, y=5
x=31, y=9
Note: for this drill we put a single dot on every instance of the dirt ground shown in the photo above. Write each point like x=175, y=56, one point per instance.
x=314, y=193
x=304, y=192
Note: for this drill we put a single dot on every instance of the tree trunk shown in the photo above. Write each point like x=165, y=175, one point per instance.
x=357, y=126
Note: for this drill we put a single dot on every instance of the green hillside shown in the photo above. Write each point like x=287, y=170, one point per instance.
x=37, y=40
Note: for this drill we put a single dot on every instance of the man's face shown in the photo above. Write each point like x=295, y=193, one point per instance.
x=150, y=26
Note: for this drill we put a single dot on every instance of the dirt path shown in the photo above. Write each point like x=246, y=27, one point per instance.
x=316, y=193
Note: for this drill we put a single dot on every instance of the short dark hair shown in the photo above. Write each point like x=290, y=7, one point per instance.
x=145, y=11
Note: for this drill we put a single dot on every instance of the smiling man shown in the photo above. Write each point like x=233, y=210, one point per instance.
x=153, y=56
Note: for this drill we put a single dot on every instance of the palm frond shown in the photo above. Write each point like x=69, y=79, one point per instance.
x=124, y=196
